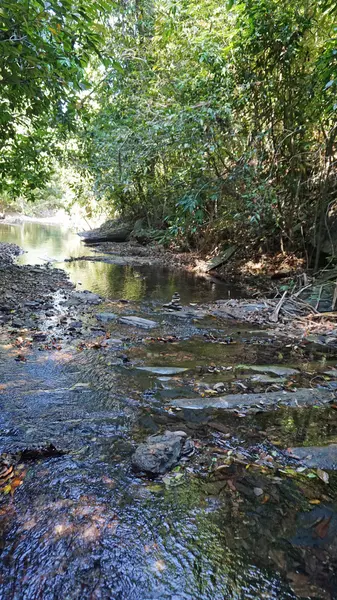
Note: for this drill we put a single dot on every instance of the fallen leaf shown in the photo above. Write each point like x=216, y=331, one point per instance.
x=323, y=475
x=314, y=501
x=17, y=481
x=322, y=528
x=159, y=565
x=231, y=485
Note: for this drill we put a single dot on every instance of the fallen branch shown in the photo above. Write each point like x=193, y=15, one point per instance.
x=325, y=315
x=334, y=299
x=319, y=298
x=275, y=314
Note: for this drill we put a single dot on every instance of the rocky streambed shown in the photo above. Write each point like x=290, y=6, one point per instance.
x=194, y=454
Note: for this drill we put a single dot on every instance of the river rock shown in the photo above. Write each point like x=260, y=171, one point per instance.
x=75, y=325
x=323, y=457
x=274, y=369
x=8, y=252
x=258, y=402
x=138, y=322
x=112, y=342
x=219, y=387
x=331, y=373
x=160, y=453
x=162, y=370
x=85, y=297
x=105, y=317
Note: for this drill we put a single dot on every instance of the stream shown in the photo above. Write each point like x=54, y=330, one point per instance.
x=84, y=526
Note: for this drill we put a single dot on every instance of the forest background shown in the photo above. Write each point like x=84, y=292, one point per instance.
x=214, y=122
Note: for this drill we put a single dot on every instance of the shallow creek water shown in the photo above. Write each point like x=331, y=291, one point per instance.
x=83, y=526
x=44, y=243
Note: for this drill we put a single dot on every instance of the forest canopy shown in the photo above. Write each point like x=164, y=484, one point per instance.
x=211, y=120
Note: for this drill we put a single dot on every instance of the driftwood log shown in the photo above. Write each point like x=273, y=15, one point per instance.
x=115, y=235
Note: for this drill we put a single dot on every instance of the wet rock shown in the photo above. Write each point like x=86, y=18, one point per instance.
x=41, y=452
x=219, y=387
x=161, y=452
x=175, y=302
x=274, y=369
x=75, y=325
x=40, y=337
x=316, y=528
x=138, y=322
x=323, y=457
x=258, y=402
x=105, y=317
x=162, y=370
x=77, y=298
x=32, y=304
x=17, y=323
x=8, y=252
x=112, y=342
x=331, y=373
x=5, y=308
x=267, y=379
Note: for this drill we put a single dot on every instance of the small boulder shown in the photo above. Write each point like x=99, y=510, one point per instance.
x=111, y=342
x=160, y=453
x=219, y=387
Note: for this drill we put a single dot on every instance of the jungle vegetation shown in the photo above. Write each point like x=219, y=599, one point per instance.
x=213, y=121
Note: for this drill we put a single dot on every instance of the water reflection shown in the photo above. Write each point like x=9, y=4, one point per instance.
x=82, y=526
x=50, y=242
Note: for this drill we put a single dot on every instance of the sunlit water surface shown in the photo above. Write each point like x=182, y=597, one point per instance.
x=55, y=243
x=82, y=526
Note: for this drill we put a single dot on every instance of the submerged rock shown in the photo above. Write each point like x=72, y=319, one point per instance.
x=161, y=452
x=323, y=457
x=274, y=369
x=111, y=342
x=138, y=322
x=302, y=397
x=162, y=370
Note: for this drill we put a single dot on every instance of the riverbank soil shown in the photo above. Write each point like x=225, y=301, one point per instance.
x=250, y=510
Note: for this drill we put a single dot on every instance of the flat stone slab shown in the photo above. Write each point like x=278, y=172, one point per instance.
x=323, y=457
x=138, y=322
x=274, y=369
x=162, y=370
x=331, y=373
x=302, y=397
x=261, y=378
